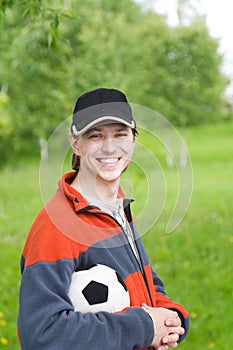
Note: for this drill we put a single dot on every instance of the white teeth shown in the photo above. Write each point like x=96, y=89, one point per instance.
x=108, y=160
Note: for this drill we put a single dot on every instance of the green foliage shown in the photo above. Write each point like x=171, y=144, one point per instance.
x=52, y=51
x=195, y=261
x=181, y=72
x=5, y=127
x=200, y=83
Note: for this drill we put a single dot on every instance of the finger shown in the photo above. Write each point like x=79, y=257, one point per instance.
x=171, y=338
x=163, y=347
x=178, y=330
x=147, y=307
x=174, y=322
x=172, y=345
x=175, y=330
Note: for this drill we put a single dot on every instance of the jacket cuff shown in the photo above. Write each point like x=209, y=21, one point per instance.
x=184, y=324
x=143, y=327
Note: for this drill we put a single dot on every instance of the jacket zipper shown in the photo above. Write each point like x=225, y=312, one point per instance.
x=138, y=257
x=139, y=260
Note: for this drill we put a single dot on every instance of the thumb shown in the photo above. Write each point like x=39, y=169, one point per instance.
x=145, y=306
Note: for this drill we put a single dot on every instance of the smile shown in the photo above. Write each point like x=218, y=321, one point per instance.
x=108, y=160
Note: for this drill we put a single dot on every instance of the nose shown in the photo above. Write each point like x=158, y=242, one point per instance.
x=109, y=146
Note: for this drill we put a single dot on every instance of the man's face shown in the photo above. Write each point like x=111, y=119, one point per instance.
x=105, y=151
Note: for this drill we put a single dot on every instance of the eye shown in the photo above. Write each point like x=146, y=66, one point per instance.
x=122, y=134
x=95, y=136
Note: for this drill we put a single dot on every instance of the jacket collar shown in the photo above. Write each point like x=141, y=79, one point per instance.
x=79, y=202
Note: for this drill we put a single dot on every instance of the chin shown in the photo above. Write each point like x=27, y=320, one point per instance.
x=109, y=177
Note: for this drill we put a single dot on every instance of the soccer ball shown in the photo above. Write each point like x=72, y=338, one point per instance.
x=100, y=288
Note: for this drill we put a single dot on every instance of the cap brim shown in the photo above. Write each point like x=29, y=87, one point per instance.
x=103, y=120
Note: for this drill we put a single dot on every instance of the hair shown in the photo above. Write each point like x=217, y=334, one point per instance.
x=75, y=160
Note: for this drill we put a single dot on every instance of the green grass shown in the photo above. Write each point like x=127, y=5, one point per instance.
x=20, y=200
x=195, y=261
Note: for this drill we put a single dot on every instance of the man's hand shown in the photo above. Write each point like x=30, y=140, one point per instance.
x=167, y=327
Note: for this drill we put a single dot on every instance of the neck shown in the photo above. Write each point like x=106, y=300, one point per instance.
x=106, y=191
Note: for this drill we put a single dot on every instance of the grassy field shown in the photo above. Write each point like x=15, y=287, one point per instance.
x=195, y=261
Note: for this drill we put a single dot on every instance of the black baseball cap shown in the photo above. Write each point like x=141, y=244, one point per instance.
x=101, y=106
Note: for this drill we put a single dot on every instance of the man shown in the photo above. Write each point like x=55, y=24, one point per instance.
x=87, y=222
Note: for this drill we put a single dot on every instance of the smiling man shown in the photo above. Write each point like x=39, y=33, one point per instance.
x=88, y=222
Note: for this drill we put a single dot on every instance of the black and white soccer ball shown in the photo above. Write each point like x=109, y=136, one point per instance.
x=100, y=288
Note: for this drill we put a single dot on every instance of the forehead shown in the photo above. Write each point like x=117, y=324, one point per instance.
x=108, y=127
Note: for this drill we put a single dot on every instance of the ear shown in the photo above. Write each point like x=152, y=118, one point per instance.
x=74, y=144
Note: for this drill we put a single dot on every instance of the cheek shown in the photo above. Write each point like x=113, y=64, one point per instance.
x=129, y=149
x=87, y=150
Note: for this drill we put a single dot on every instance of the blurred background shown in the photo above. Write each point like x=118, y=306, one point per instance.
x=165, y=55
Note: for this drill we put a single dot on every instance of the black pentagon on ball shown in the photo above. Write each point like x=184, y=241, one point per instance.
x=95, y=293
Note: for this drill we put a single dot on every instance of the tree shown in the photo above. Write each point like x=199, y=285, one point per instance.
x=52, y=51
x=180, y=71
